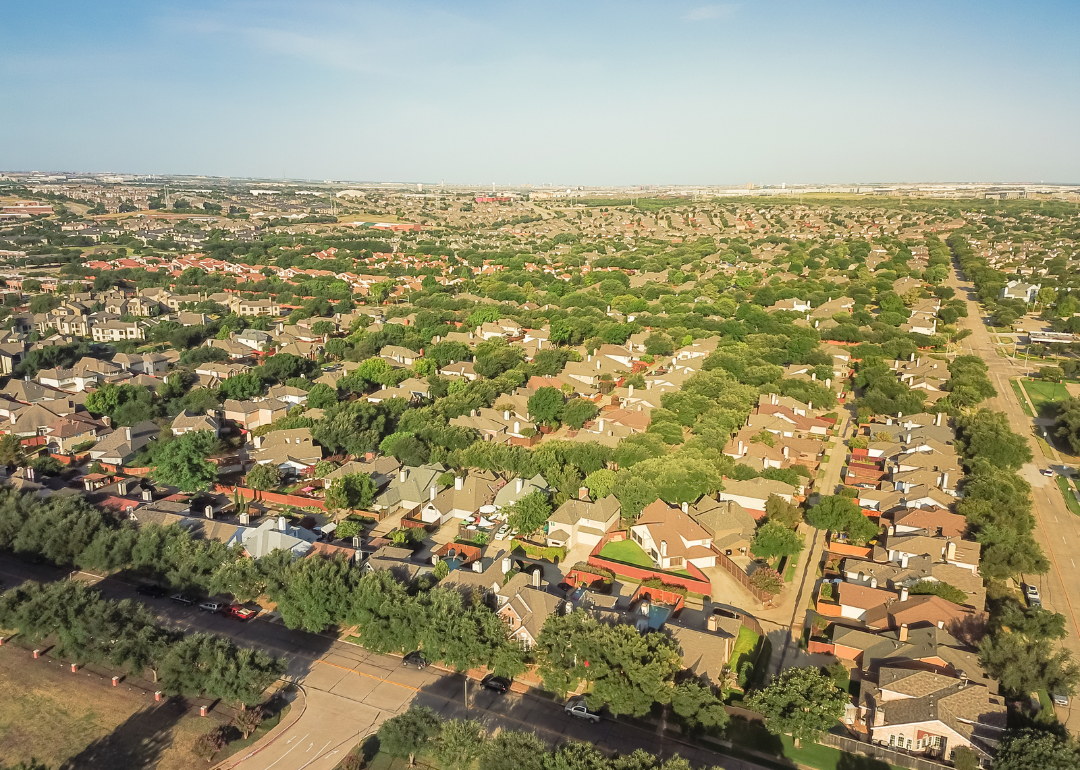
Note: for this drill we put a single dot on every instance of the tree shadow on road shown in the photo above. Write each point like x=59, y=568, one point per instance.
x=137, y=743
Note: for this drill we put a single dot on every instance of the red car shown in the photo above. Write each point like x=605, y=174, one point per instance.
x=241, y=613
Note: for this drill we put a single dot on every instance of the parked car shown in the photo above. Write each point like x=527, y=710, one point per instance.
x=1031, y=593
x=241, y=613
x=183, y=599
x=1047, y=471
x=1060, y=699
x=210, y=606
x=504, y=530
x=415, y=659
x=497, y=683
x=150, y=589
x=577, y=708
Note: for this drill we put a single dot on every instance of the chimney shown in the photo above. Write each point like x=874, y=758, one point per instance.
x=813, y=376
x=903, y=632
x=810, y=406
x=892, y=529
x=941, y=624
x=937, y=420
x=402, y=475
x=147, y=495
x=127, y=433
x=29, y=473
x=686, y=507
x=774, y=398
x=904, y=561
x=912, y=357
x=459, y=482
x=583, y=493
x=787, y=451
x=245, y=519
x=828, y=382
x=663, y=549
x=507, y=564
x=369, y=456
x=600, y=424
x=598, y=364
x=282, y=524
x=944, y=481
x=904, y=594
x=908, y=439
x=740, y=449
x=713, y=623
x=517, y=427
x=431, y=492
x=107, y=421
x=873, y=582
x=536, y=578
x=208, y=512
x=630, y=390
x=950, y=551
x=477, y=566
x=520, y=484
x=506, y=415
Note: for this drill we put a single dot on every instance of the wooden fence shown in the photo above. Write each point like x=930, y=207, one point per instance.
x=737, y=572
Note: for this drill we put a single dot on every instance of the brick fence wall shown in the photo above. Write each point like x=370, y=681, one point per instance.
x=272, y=497
x=697, y=583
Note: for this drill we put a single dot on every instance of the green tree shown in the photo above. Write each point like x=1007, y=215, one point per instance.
x=530, y=513
x=514, y=750
x=545, y=405
x=1037, y=750
x=698, y=707
x=577, y=412
x=348, y=529
x=410, y=733
x=773, y=540
x=842, y=514
x=351, y=491
x=263, y=477
x=600, y=483
x=782, y=512
x=946, y=591
x=986, y=435
x=459, y=744
x=182, y=463
x=316, y=593
x=321, y=396
x=800, y=701
x=11, y=451
x=659, y=344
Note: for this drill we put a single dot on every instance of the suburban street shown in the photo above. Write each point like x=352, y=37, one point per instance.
x=1057, y=530
x=348, y=691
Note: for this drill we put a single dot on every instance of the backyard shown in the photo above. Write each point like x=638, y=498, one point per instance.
x=628, y=552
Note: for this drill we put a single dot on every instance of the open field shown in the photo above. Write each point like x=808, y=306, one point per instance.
x=1043, y=394
x=75, y=721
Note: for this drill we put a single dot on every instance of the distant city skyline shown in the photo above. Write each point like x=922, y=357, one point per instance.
x=597, y=94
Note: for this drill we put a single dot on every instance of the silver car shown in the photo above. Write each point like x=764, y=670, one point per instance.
x=578, y=708
x=1031, y=593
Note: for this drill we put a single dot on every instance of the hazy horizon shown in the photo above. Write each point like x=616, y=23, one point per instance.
x=597, y=94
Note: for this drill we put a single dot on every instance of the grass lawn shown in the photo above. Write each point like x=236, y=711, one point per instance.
x=1066, y=492
x=745, y=646
x=1043, y=394
x=1020, y=397
x=825, y=757
x=628, y=552
x=383, y=761
x=58, y=717
x=789, y=573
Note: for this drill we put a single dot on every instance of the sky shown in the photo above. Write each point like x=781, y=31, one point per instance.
x=566, y=93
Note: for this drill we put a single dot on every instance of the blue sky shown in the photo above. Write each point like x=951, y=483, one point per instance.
x=561, y=92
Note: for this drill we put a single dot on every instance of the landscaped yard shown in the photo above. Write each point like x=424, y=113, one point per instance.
x=628, y=552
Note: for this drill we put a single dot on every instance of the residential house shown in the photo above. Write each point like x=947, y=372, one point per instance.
x=754, y=493
x=581, y=521
x=672, y=538
x=192, y=422
x=290, y=451
x=120, y=446
x=277, y=534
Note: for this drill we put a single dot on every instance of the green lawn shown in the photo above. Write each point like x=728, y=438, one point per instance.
x=744, y=648
x=1043, y=394
x=628, y=552
x=826, y=757
x=1066, y=492
x=1020, y=397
